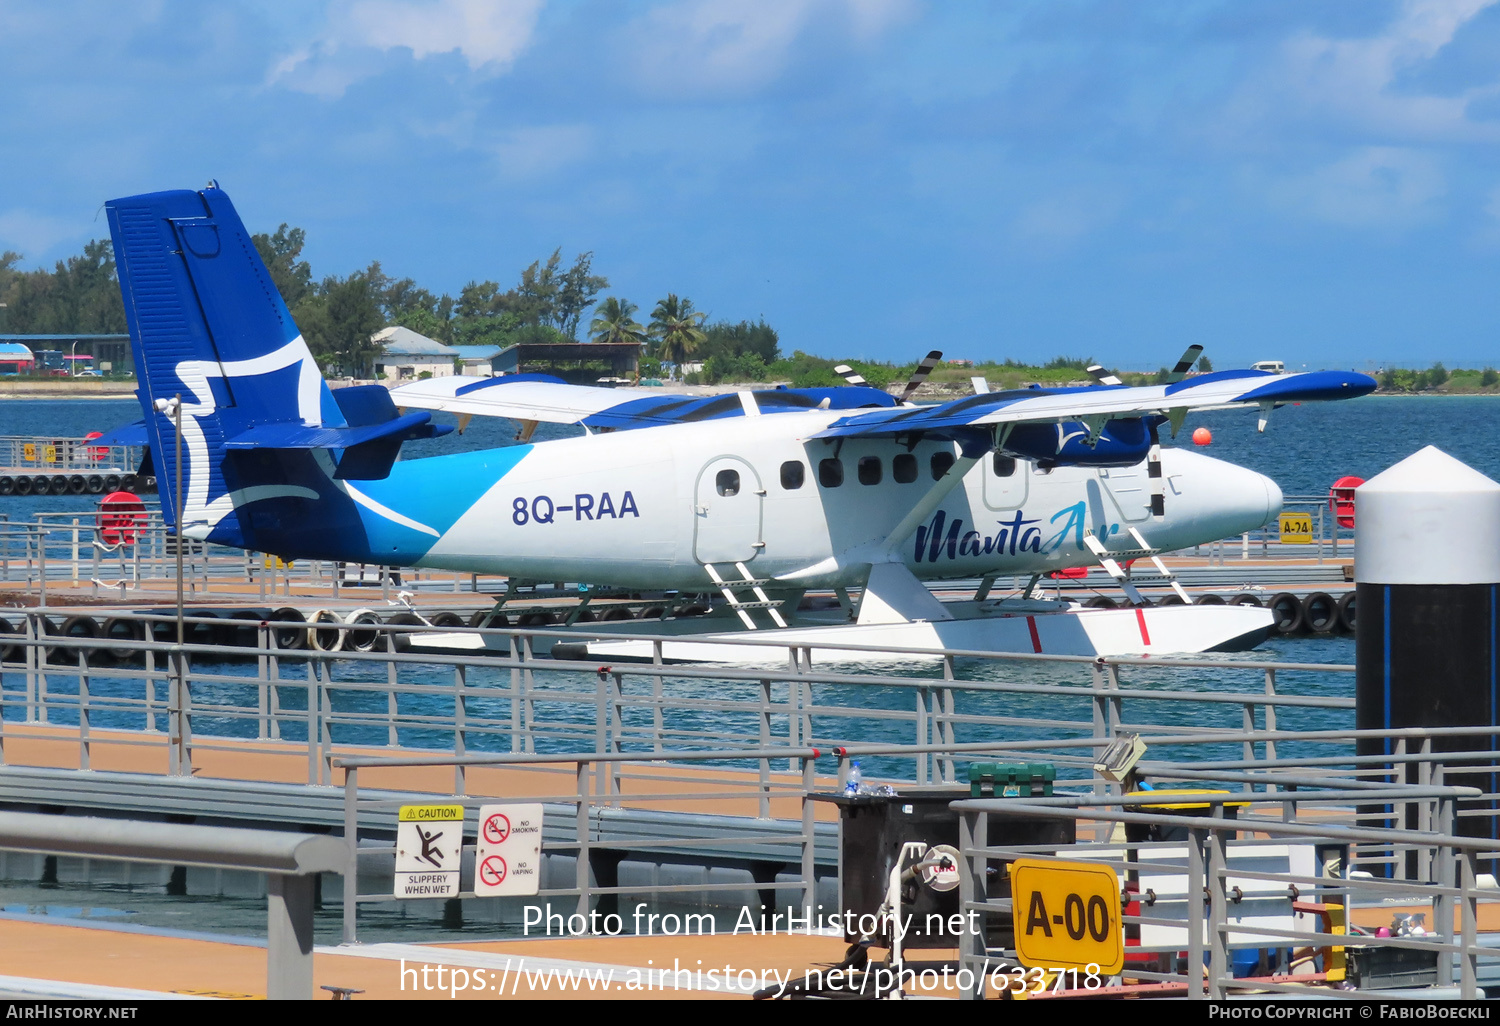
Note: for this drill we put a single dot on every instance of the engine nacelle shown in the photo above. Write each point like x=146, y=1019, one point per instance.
x=1122, y=443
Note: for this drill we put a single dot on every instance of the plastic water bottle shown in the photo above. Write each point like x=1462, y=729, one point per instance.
x=852, y=787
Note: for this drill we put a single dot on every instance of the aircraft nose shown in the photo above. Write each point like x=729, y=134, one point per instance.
x=1274, y=498
x=1227, y=500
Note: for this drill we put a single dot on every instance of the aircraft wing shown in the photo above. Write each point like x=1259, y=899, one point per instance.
x=541, y=397
x=1221, y=390
x=517, y=396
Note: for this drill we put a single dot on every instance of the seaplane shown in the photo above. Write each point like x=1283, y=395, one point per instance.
x=754, y=496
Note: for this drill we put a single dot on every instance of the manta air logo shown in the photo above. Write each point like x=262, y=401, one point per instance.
x=1016, y=536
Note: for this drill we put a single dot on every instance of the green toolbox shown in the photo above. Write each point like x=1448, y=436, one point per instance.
x=1011, y=779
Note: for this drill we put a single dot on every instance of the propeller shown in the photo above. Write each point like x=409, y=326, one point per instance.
x=1102, y=376
x=919, y=375
x=850, y=375
x=1189, y=357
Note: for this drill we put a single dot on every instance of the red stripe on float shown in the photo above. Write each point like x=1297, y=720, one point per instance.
x=1140, y=619
x=1036, y=639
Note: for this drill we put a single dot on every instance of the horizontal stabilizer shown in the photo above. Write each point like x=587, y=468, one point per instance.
x=300, y=436
x=133, y=433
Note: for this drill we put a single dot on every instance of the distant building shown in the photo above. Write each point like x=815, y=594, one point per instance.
x=477, y=360
x=15, y=358
x=580, y=362
x=111, y=353
x=405, y=355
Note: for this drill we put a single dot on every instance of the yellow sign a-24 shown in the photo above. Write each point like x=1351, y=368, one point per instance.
x=1296, y=528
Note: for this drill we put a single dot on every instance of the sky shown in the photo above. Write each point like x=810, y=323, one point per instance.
x=1307, y=180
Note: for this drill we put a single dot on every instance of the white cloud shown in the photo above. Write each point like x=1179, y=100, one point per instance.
x=739, y=45
x=1375, y=186
x=488, y=34
x=525, y=153
x=1353, y=81
x=32, y=234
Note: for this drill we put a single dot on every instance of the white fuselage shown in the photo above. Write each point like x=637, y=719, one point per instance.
x=647, y=508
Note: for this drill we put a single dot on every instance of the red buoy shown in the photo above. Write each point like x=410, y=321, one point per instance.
x=1202, y=436
x=96, y=452
x=1341, y=499
x=122, y=517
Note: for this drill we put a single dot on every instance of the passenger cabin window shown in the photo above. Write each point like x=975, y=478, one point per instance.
x=869, y=470
x=728, y=482
x=941, y=461
x=792, y=474
x=904, y=468
x=1005, y=465
x=830, y=473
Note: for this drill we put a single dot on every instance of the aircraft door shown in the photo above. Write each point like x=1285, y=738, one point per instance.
x=728, y=504
x=1006, y=480
x=1131, y=490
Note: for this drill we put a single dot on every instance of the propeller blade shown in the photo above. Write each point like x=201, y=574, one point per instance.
x=919, y=375
x=849, y=374
x=1154, y=475
x=1102, y=376
x=1189, y=357
x=981, y=386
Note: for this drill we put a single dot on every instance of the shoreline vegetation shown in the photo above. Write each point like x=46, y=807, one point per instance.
x=551, y=302
x=947, y=381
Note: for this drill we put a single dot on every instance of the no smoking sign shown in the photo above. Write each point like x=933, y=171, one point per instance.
x=496, y=827
x=509, y=859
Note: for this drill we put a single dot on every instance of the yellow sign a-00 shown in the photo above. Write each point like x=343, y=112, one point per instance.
x=1296, y=528
x=1067, y=915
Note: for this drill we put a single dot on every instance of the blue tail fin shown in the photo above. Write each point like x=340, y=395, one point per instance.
x=208, y=325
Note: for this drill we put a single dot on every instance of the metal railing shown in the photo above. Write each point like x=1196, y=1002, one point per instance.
x=603, y=781
x=73, y=551
x=510, y=699
x=1189, y=894
x=289, y=861
x=21, y=453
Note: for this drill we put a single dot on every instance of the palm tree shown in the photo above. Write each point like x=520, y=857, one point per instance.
x=674, y=324
x=613, y=323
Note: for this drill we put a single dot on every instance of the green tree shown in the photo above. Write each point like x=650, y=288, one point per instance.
x=404, y=303
x=614, y=321
x=576, y=290
x=1489, y=377
x=8, y=277
x=1068, y=363
x=1437, y=375
x=675, y=326
x=732, y=341
x=806, y=371
x=279, y=252
x=339, y=319
x=534, y=300
x=1204, y=366
x=80, y=294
